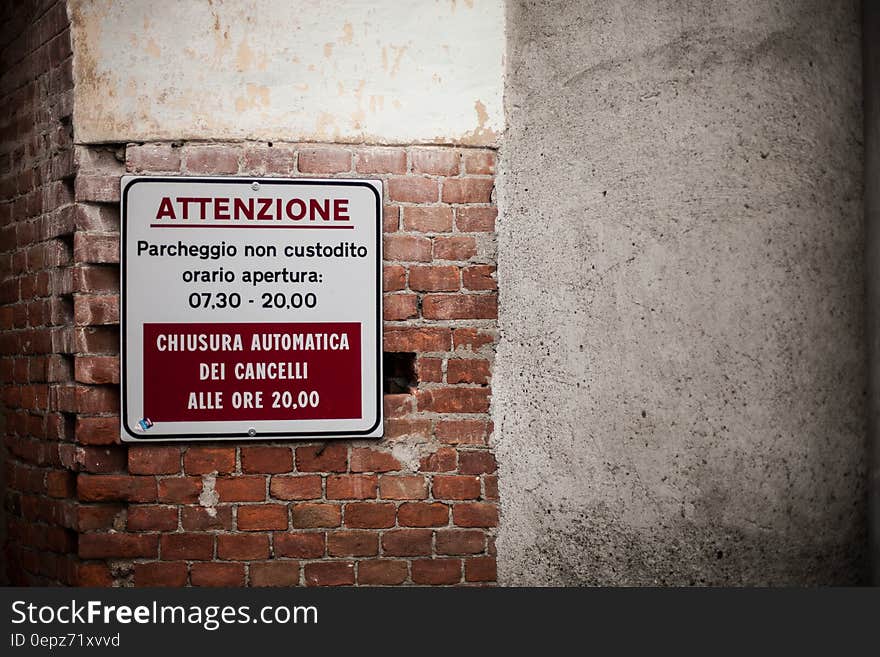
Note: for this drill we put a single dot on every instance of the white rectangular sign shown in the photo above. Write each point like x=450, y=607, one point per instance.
x=251, y=308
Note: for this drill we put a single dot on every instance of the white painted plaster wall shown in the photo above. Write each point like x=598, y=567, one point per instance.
x=380, y=71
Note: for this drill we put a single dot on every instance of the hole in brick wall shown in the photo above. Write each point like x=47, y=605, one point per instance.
x=400, y=373
x=67, y=240
x=68, y=426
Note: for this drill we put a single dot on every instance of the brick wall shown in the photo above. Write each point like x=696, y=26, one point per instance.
x=418, y=507
x=36, y=278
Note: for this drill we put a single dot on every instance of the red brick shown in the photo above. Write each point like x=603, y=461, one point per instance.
x=329, y=573
x=279, y=159
x=100, y=516
x=190, y=546
x=455, y=487
x=152, y=157
x=60, y=484
x=436, y=161
x=400, y=306
x=305, y=487
x=423, y=514
x=211, y=159
x=403, y=487
x=275, y=573
x=262, y=517
x=91, y=310
x=454, y=306
x=351, y=487
x=479, y=162
x=266, y=460
x=324, y=160
x=241, y=489
x=97, y=369
x=430, y=219
x=322, y=458
x=398, y=405
x=430, y=370
x=417, y=339
x=96, y=247
x=436, y=571
x=479, y=277
x=199, y=518
x=242, y=546
x=444, y=278
x=108, y=488
x=217, y=574
x=94, y=340
x=475, y=514
x=460, y=541
x=153, y=460
x=407, y=248
x=180, y=490
x=393, y=278
x=92, y=187
x=480, y=569
x=364, y=459
x=94, y=575
x=443, y=460
x=381, y=160
x=490, y=486
x=151, y=518
x=369, y=515
x=98, y=218
x=118, y=546
x=454, y=400
x=413, y=190
x=468, y=190
x=300, y=545
x=476, y=462
x=391, y=218
x=467, y=371
x=316, y=514
x=407, y=542
x=396, y=429
x=160, y=574
x=352, y=544
x=458, y=247
x=205, y=460
x=379, y=572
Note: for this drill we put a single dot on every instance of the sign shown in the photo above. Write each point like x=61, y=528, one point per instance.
x=251, y=308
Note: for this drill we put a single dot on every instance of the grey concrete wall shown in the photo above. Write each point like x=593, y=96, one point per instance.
x=680, y=385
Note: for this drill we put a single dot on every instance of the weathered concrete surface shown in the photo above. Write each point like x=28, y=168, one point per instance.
x=345, y=71
x=679, y=390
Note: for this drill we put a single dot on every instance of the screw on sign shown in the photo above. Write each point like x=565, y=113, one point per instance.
x=283, y=339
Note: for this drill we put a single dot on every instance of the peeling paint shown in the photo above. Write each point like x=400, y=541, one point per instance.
x=481, y=134
x=255, y=96
x=244, y=57
x=347, y=33
x=398, y=55
x=153, y=49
